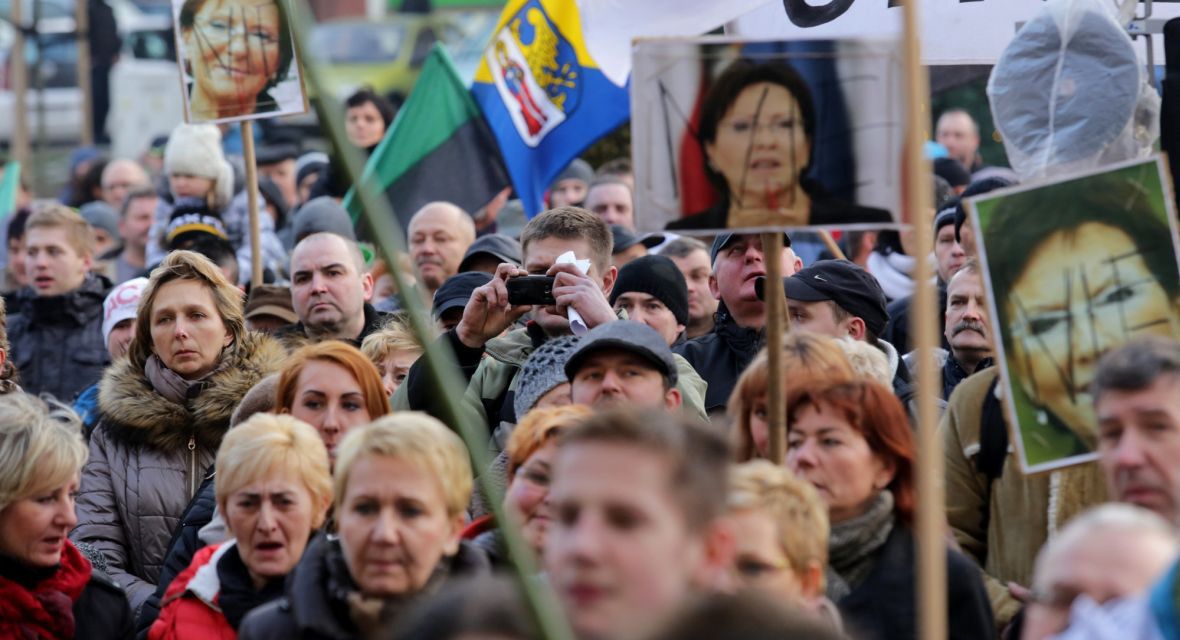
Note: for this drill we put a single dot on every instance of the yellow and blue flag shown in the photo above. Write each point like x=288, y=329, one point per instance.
x=543, y=95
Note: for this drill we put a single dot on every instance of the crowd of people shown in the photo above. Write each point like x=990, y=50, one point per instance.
x=186, y=454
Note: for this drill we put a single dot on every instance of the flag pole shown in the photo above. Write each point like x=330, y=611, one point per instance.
x=252, y=204
x=389, y=238
x=931, y=516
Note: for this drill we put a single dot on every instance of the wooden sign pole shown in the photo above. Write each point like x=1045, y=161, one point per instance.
x=82, y=20
x=776, y=325
x=931, y=517
x=252, y=203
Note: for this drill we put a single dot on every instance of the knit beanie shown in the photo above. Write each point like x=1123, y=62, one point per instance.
x=195, y=149
x=191, y=218
x=259, y=399
x=101, y=215
x=544, y=370
x=322, y=215
x=658, y=277
x=121, y=304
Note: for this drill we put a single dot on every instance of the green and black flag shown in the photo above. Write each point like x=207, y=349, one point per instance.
x=438, y=148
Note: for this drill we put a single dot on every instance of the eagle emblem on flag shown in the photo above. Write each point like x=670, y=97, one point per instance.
x=536, y=72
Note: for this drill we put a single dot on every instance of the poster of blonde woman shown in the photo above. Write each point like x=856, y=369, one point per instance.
x=237, y=60
x=1075, y=268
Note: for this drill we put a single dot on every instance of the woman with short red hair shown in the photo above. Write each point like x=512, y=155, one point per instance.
x=852, y=441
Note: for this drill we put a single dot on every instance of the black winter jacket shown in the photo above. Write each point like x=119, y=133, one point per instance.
x=720, y=356
x=315, y=606
x=884, y=606
x=57, y=343
x=294, y=336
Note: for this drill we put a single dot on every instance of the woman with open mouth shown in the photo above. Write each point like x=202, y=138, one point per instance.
x=401, y=488
x=48, y=589
x=273, y=487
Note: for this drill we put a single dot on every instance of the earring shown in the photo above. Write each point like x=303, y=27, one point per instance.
x=1042, y=417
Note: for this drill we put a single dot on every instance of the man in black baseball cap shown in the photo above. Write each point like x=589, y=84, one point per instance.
x=454, y=294
x=840, y=299
x=629, y=246
x=623, y=362
x=720, y=356
x=488, y=252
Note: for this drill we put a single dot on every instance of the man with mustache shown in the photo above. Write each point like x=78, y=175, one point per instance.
x=968, y=330
x=439, y=235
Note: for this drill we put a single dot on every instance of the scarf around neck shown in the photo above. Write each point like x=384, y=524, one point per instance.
x=42, y=604
x=172, y=385
x=853, y=546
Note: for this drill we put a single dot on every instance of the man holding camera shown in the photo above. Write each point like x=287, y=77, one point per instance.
x=489, y=313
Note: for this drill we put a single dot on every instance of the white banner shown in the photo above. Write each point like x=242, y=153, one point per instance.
x=953, y=31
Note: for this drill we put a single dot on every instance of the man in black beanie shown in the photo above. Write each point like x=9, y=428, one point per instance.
x=652, y=290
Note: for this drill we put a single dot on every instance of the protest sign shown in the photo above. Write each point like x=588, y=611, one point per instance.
x=951, y=31
x=732, y=134
x=237, y=60
x=1075, y=267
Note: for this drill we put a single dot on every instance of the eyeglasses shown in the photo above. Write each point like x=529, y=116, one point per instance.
x=221, y=31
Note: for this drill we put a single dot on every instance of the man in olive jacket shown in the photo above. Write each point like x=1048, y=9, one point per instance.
x=999, y=516
x=492, y=379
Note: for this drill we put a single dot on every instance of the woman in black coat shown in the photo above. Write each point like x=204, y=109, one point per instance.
x=852, y=441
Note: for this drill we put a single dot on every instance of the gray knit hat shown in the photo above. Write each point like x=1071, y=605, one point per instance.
x=544, y=370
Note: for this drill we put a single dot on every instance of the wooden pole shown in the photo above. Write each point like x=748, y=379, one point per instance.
x=776, y=324
x=931, y=521
x=252, y=203
x=18, y=73
x=82, y=25
x=830, y=243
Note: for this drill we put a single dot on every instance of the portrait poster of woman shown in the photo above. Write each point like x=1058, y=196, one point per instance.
x=237, y=60
x=1074, y=268
x=730, y=134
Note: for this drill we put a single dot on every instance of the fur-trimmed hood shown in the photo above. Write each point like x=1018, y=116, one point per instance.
x=132, y=411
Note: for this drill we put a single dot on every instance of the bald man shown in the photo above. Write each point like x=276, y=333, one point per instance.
x=959, y=133
x=440, y=234
x=118, y=178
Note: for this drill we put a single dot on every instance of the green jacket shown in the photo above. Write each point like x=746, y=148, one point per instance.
x=1020, y=511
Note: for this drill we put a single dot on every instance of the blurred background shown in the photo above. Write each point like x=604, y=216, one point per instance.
x=130, y=45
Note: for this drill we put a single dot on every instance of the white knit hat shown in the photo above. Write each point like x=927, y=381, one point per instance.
x=195, y=149
x=121, y=303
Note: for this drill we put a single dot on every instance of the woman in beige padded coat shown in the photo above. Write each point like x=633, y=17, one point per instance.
x=163, y=411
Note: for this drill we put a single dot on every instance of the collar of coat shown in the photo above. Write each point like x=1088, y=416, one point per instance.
x=77, y=307
x=133, y=412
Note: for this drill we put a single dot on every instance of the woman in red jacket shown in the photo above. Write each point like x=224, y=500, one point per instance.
x=274, y=487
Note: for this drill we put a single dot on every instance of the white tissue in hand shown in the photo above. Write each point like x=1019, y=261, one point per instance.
x=577, y=324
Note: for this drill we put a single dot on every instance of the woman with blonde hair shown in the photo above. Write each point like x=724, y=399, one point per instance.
x=163, y=411
x=401, y=490
x=48, y=589
x=394, y=349
x=273, y=490
x=806, y=356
